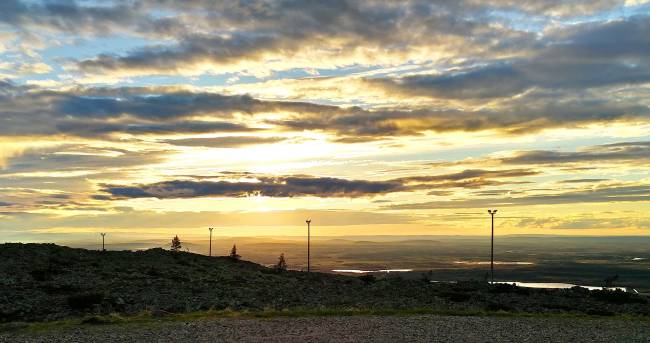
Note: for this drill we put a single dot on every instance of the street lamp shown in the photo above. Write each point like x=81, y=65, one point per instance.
x=210, y=249
x=492, y=213
x=103, y=235
x=308, y=221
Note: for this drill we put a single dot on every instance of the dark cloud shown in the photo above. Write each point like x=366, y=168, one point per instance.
x=225, y=142
x=282, y=187
x=295, y=186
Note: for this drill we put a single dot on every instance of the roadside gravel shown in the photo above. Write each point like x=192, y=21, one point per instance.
x=424, y=328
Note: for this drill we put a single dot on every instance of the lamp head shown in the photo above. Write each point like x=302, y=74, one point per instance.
x=492, y=211
x=308, y=221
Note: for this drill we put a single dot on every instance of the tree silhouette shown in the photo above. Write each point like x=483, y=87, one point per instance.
x=233, y=253
x=609, y=282
x=282, y=264
x=176, y=244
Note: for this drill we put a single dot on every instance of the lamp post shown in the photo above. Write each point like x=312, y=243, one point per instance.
x=103, y=235
x=308, y=221
x=210, y=249
x=492, y=213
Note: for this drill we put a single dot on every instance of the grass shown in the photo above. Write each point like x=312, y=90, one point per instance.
x=147, y=318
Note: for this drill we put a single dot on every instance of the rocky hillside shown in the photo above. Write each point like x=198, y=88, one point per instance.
x=47, y=282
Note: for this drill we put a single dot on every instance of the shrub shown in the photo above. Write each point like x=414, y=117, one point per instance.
x=368, y=279
x=498, y=306
x=617, y=297
x=503, y=288
x=579, y=290
x=456, y=296
x=41, y=274
x=85, y=301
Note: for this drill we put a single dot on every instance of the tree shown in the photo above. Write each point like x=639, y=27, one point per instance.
x=282, y=264
x=368, y=279
x=233, y=253
x=609, y=282
x=426, y=277
x=176, y=244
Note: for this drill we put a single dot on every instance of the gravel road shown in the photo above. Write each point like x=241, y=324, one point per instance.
x=424, y=328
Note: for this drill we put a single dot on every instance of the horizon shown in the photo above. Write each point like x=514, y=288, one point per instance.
x=144, y=120
x=201, y=243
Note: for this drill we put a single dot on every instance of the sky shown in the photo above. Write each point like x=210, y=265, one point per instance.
x=145, y=119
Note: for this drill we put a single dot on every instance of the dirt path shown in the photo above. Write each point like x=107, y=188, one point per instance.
x=425, y=328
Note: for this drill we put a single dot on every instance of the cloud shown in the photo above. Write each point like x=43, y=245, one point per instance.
x=602, y=194
x=523, y=116
x=83, y=19
x=261, y=36
x=98, y=129
x=469, y=174
x=296, y=186
x=583, y=180
x=578, y=58
x=134, y=220
x=586, y=222
x=636, y=152
x=79, y=157
x=97, y=111
x=248, y=36
x=281, y=187
x=602, y=223
x=225, y=142
x=469, y=178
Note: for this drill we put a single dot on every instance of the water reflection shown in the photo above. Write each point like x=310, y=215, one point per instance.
x=507, y=263
x=359, y=271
